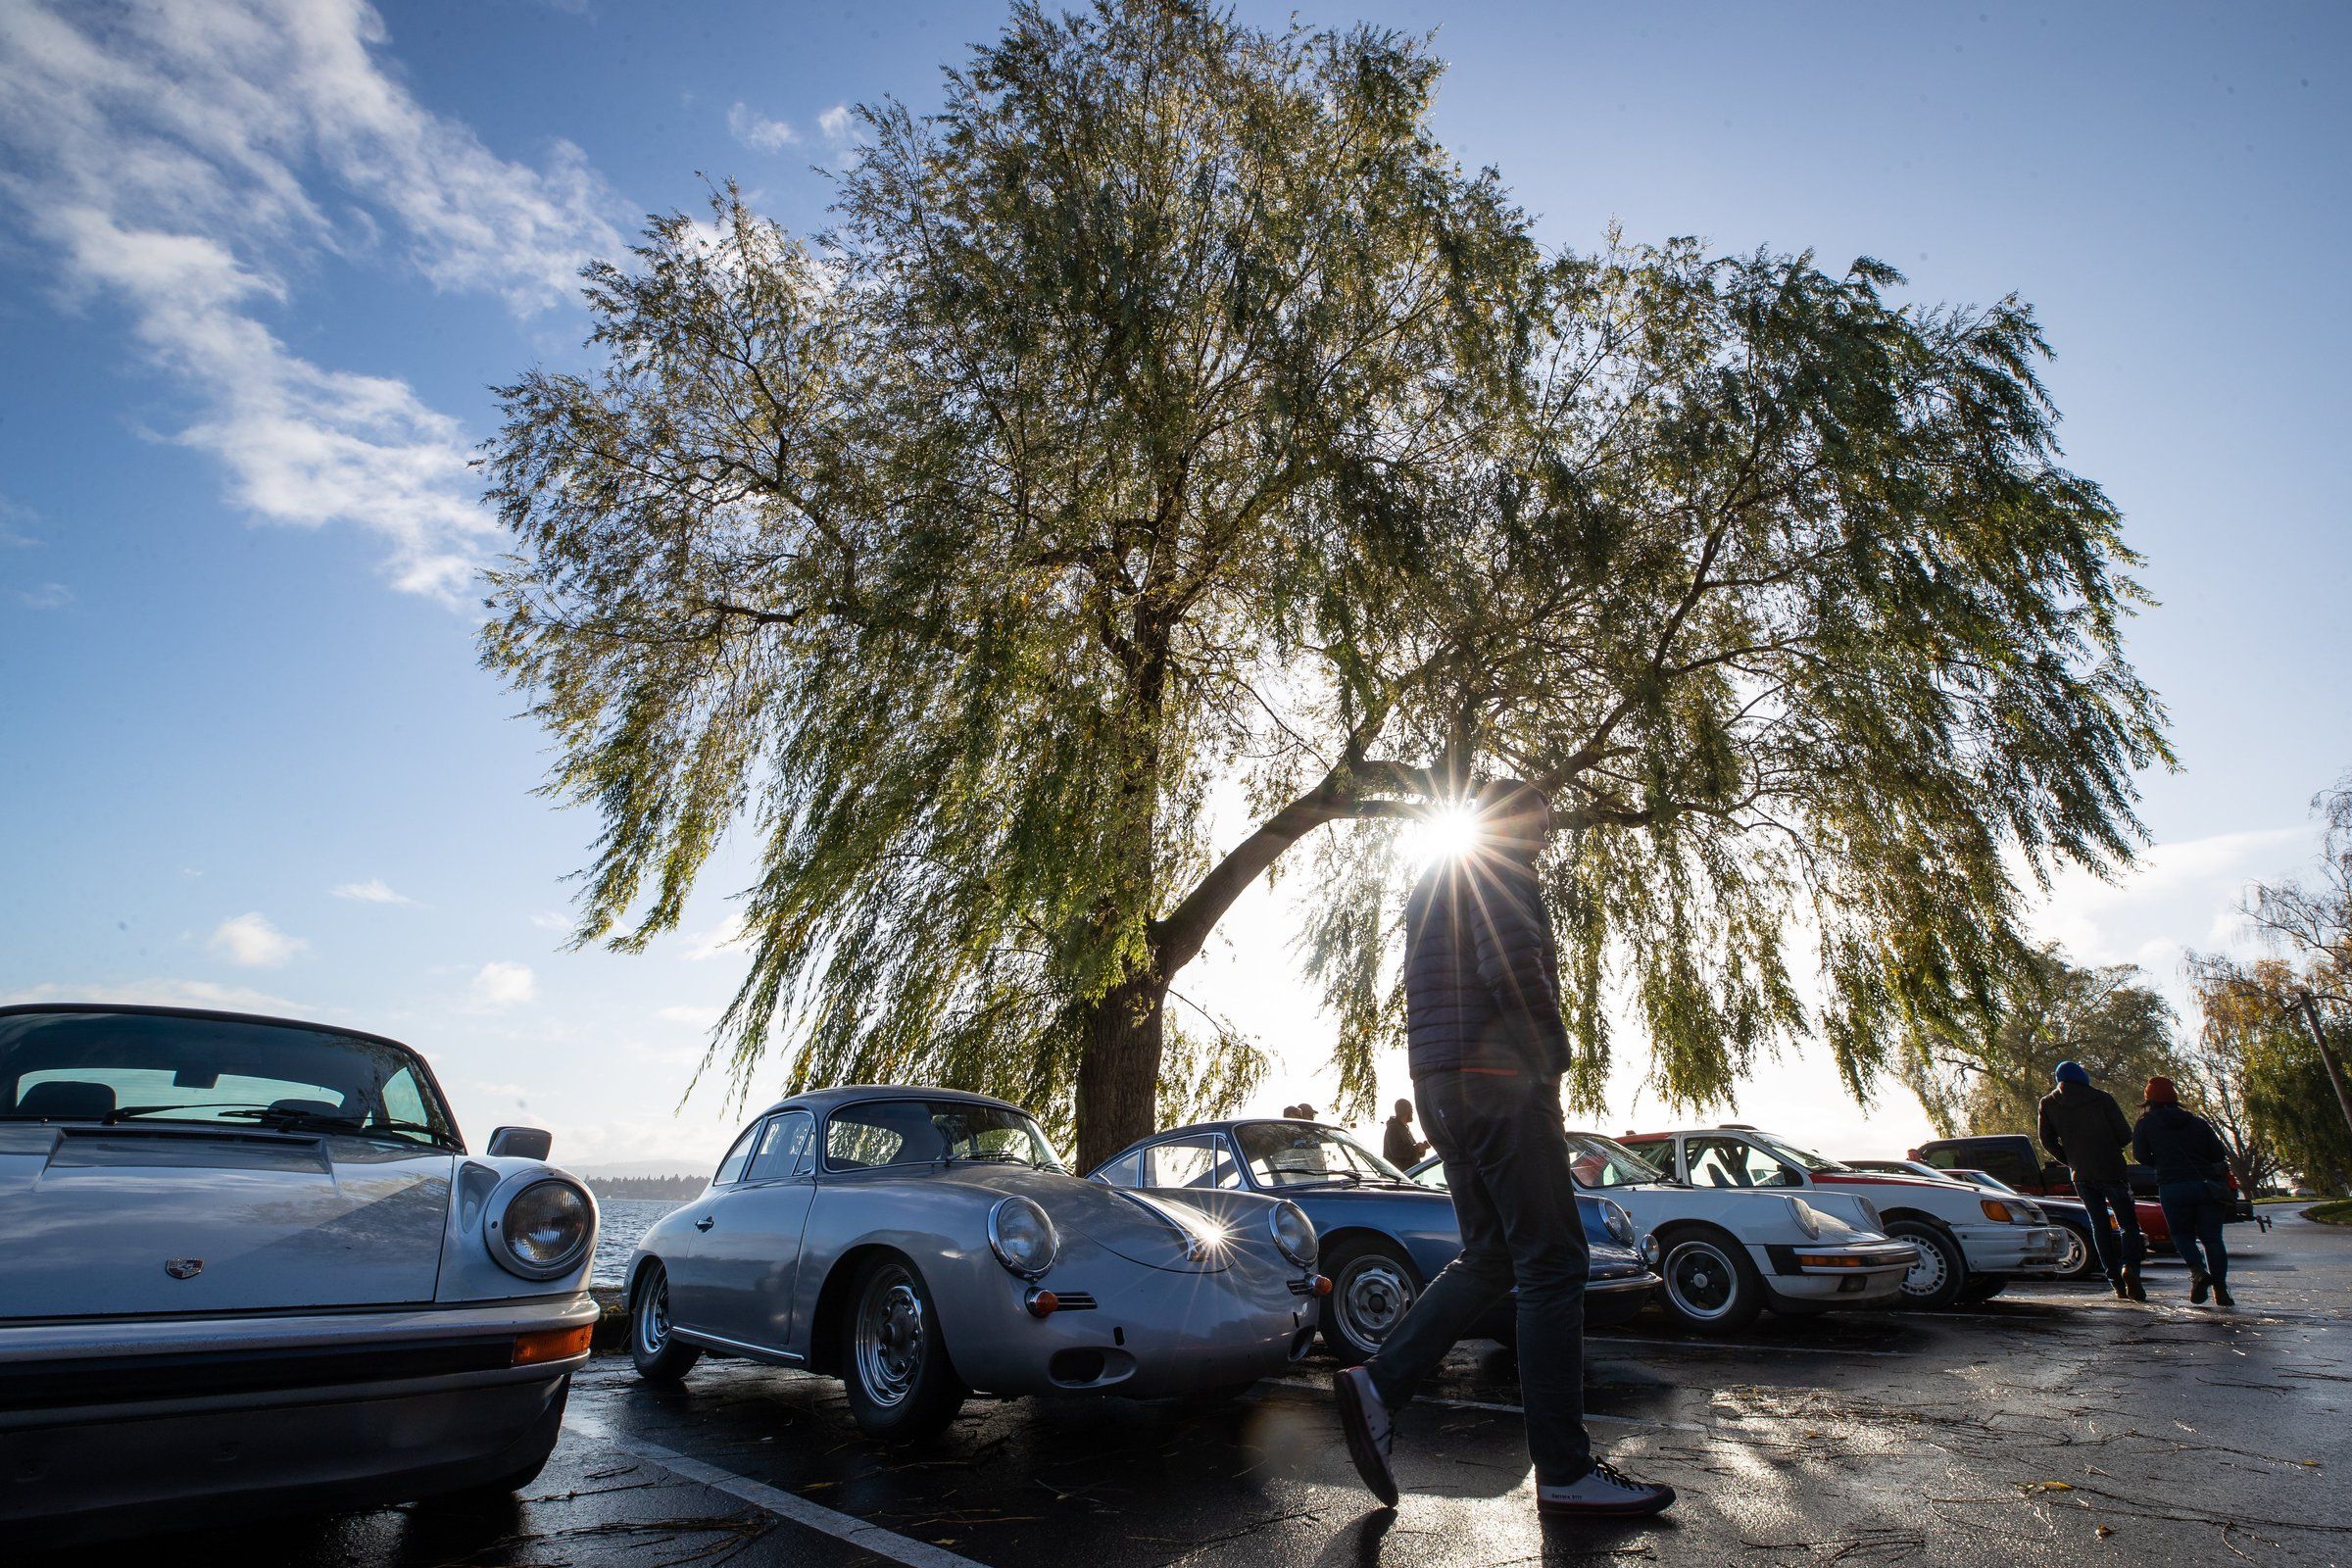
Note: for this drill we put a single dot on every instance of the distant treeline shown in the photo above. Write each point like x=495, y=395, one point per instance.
x=646, y=1186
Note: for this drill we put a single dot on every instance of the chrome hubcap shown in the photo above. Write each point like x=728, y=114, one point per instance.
x=1927, y=1270
x=1700, y=1280
x=890, y=1337
x=652, y=1314
x=2077, y=1254
x=1373, y=1299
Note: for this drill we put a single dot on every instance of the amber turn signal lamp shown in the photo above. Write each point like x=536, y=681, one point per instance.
x=553, y=1344
x=1041, y=1303
x=1322, y=1285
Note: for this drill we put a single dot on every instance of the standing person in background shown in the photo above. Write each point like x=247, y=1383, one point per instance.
x=2084, y=1128
x=1397, y=1145
x=2191, y=1170
x=1487, y=1047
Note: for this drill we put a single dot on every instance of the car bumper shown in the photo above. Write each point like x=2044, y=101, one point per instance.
x=1835, y=1275
x=176, y=1423
x=2011, y=1249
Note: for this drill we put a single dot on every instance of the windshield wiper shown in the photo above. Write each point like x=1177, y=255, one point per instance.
x=311, y=1120
x=123, y=1112
x=987, y=1158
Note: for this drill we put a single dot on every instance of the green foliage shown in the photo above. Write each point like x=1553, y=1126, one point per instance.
x=1171, y=420
x=2106, y=1019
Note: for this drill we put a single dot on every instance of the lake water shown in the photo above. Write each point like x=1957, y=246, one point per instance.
x=622, y=1222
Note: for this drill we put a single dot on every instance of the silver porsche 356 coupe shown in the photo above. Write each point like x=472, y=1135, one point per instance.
x=921, y=1244
x=248, y=1264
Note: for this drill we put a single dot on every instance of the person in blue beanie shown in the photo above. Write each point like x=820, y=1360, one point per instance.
x=2083, y=1127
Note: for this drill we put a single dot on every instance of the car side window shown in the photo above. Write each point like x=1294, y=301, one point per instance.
x=1120, y=1172
x=730, y=1169
x=1942, y=1158
x=1189, y=1162
x=1737, y=1162
x=786, y=1147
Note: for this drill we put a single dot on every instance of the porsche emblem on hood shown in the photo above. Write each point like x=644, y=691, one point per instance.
x=183, y=1268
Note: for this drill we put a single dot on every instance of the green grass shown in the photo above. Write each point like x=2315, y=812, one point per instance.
x=2335, y=1212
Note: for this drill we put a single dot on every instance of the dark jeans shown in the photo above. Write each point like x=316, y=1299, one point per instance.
x=1505, y=1150
x=2196, y=1217
x=2110, y=1207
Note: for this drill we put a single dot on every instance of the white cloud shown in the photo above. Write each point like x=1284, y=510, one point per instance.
x=552, y=920
x=252, y=941
x=372, y=891
x=169, y=155
x=45, y=596
x=758, y=132
x=720, y=938
x=836, y=123
x=697, y=1017
x=499, y=986
x=159, y=994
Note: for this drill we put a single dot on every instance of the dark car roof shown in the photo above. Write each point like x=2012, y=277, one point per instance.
x=821, y=1101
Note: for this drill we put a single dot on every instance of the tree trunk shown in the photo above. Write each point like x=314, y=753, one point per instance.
x=1118, y=1070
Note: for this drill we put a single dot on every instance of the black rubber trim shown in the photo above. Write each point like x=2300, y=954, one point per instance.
x=143, y=1379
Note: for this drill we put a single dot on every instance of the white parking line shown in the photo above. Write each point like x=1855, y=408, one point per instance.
x=775, y=1499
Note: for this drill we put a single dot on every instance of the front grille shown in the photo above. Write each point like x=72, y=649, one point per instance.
x=1073, y=1301
x=133, y=1379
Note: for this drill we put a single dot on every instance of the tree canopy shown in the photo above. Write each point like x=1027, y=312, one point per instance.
x=1172, y=429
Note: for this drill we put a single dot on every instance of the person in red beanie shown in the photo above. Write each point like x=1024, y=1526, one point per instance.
x=2193, y=1169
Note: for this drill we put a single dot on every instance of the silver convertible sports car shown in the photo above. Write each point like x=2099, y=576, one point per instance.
x=921, y=1244
x=248, y=1265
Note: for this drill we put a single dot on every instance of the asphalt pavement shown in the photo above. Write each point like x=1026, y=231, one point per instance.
x=2054, y=1425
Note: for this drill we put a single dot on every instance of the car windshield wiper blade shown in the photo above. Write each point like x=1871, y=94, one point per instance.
x=986, y=1159
x=314, y=1121
x=124, y=1113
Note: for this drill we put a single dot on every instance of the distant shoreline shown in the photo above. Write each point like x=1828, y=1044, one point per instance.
x=679, y=1187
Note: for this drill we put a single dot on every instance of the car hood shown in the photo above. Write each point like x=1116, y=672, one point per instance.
x=136, y=1220
x=1159, y=1230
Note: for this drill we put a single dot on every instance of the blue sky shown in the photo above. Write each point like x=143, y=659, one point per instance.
x=260, y=265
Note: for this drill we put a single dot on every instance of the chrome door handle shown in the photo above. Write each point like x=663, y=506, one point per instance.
x=705, y=1223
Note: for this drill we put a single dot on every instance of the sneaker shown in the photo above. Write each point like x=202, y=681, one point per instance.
x=1604, y=1493
x=2222, y=1296
x=1364, y=1420
x=2198, y=1284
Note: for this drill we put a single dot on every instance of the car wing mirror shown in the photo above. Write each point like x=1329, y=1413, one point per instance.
x=521, y=1143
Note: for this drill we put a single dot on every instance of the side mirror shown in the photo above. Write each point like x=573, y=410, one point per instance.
x=521, y=1143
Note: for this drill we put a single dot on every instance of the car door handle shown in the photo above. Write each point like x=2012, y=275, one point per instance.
x=705, y=1223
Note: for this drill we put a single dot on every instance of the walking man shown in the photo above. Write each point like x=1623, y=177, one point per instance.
x=2193, y=1183
x=1397, y=1145
x=1487, y=1048
x=2085, y=1128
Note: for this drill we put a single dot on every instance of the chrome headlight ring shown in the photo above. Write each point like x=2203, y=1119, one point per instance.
x=1620, y=1224
x=539, y=1226
x=1292, y=1232
x=1022, y=1236
x=1807, y=1217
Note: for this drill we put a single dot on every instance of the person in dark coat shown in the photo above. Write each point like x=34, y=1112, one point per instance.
x=2192, y=1167
x=2084, y=1128
x=1397, y=1145
x=1487, y=1047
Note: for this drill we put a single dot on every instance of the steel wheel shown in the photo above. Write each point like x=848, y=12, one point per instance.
x=657, y=1353
x=1938, y=1269
x=2076, y=1262
x=1709, y=1285
x=889, y=1342
x=1373, y=1297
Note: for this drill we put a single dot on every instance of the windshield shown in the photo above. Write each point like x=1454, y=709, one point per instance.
x=1801, y=1158
x=1289, y=1154
x=925, y=1132
x=118, y=1067
x=1986, y=1180
x=1598, y=1162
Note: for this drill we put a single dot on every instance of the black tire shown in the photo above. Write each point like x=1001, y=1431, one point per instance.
x=1372, y=1286
x=658, y=1355
x=1984, y=1287
x=894, y=1359
x=2081, y=1260
x=1710, y=1285
x=1940, y=1273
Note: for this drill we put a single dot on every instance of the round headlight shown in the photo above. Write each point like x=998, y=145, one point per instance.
x=543, y=1230
x=1024, y=1237
x=1808, y=1219
x=1620, y=1223
x=1294, y=1233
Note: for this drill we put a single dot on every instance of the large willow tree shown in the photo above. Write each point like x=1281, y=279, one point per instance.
x=1169, y=428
